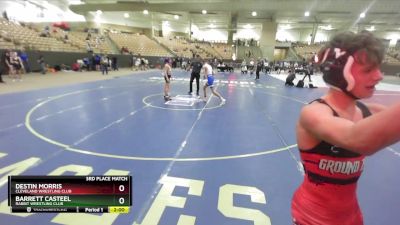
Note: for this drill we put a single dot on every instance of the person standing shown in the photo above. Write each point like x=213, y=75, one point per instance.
x=7, y=64
x=42, y=64
x=337, y=131
x=16, y=63
x=196, y=66
x=3, y=65
x=132, y=60
x=308, y=71
x=1, y=74
x=105, y=63
x=167, y=74
x=25, y=62
x=114, y=63
x=209, y=75
x=260, y=65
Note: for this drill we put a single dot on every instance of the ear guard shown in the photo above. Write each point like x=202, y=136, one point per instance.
x=336, y=69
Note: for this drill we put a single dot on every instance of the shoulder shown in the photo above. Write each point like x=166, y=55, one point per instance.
x=375, y=107
x=315, y=112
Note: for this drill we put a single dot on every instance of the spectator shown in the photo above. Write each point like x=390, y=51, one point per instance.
x=88, y=47
x=25, y=61
x=114, y=63
x=2, y=67
x=46, y=31
x=105, y=63
x=132, y=61
x=5, y=16
x=16, y=63
x=42, y=64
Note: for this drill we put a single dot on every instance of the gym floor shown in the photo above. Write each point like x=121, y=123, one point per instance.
x=191, y=161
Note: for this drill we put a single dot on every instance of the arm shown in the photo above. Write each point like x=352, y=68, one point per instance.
x=8, y=63
x=169, y=69
x=375, y=108
x=191, y=66
x=365, y=136
x=21, y=63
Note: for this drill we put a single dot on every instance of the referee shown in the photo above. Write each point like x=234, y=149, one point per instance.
x=196, y=66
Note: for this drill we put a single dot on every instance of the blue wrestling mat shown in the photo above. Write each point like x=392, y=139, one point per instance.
x=191, y=161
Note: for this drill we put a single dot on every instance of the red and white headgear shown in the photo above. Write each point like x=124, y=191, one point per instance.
x=336, y=69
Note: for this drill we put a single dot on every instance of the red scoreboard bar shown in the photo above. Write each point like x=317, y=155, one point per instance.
x=89, y=194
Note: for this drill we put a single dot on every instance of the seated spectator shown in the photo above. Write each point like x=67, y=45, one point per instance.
x=46, y=31
x=64, y=67
x=78, y=65
x=124, y=50
x=5, y=16
x=137, y=63
x=86, y=63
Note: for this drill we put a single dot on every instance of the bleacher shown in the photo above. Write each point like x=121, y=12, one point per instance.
x=23, y=36
x=393, y=56
x=224, y=50
x=6, y=42
x=97, y=42
x=307, y=51
x=184, y=48
x=16, y=36
x=139, y=44
x=179, y=47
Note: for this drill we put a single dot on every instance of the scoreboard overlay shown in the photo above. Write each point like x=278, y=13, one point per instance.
x=89, y=194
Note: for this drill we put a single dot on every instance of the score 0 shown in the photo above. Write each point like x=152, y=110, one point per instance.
x=122, y=189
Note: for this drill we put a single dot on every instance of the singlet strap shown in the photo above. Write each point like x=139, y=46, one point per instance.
x=320, y=100
x=364, y=109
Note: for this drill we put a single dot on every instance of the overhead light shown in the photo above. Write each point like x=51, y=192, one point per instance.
x=126, y=15
x=99, y=12
x=145, y=12
x=254, y=13
x=176, y=17
x=328, y=27
x=248, y=26
x=362, y=15
x=372, y=28
x=286, y=27
x=307, y=13
x=212, y=26
x=97, y=20
x=204, y=11
x=75, y=2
